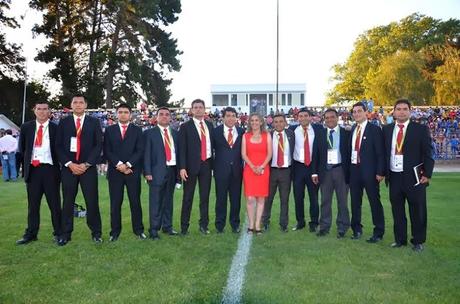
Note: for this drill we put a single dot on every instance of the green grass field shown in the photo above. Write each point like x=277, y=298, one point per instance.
x=296, y=267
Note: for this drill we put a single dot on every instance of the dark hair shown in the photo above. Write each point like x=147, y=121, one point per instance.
x=402, y=101
x=9, y=132
x=229, y=109
x=331, y=110
x=163, y=108
x=360, y=104
x=198, y=101
x=40, y=102
x=79, y=95
x=310, y=113
x=124, y=106
x=279, y=115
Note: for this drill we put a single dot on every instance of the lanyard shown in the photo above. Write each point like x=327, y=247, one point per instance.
x=400, y=146
x=279, y=142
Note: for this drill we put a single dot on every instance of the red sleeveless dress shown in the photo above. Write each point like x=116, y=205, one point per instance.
x=256, y=185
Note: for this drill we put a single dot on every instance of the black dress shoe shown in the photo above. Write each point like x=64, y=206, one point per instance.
x=418, y=247
x=312, y=228
x=340, y=235
x=26, y=240
x=374, y=239
x=113, y=238
x=171, y=232
x=220, y=231
x=141, y=236
x=322, y=233
x=183, y=232
x=97, y=239
x=298, y=227
x=356, y=235
x=63, y=242
x=283, y=229
x=204, y=230
x=236, y=230
x=154, y=236
x=398, y=245
x=266, y=226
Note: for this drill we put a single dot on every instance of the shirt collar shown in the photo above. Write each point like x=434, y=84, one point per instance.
x=45, y=124
x=336, y=129
x=197, y=121
x=122, y=125
x=226, y=128
x=405, y=124
x=75, y=117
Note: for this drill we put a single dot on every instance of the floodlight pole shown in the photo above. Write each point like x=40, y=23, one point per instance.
x=25, y=95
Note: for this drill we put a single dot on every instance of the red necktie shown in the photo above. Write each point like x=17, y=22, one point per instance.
x=38, y=143
x=399, y=140
x=306, y=147
x=123, y=132
x=167, y=144
x=280, y=156
x=358, y=141
x=77, y=156
x=203, y=141
x=230, y=138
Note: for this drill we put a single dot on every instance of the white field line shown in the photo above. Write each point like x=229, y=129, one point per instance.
x=233, y=290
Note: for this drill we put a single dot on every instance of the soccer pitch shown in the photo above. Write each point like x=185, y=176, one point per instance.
x=293, y=267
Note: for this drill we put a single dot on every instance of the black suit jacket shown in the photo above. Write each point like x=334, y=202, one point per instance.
x=91, y=140
x=225, y=157
x=344, y=152
x=317, y=129
x=417, y=149
x=371, y=153
x=130, y=149
x=154, y=154
x=26, y=144
x=190, y=147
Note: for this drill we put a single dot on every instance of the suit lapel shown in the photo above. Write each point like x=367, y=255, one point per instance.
x=31, y=135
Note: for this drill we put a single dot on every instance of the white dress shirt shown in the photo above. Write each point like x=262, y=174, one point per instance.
x=234, y=133
x=172, y=162
x=335, y=144
x=8, y=144
x=299, y=143
x=393, y=145
x=82, y=119
x=287, y=153
x=42, y=153
x=208, y=137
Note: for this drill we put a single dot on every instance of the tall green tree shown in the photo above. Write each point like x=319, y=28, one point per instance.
x=113, y=50
x=354, y=78
x=11, y=61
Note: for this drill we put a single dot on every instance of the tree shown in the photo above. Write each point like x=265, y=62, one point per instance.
x=447, y=77
x=413, y=33
x=400, y=76
x=112, y=50
x=11, y=62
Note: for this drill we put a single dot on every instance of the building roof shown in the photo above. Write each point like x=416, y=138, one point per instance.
x=256, y=88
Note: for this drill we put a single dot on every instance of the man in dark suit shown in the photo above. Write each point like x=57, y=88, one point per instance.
x=283, y=143
x=195, y=163
x=305, y=150
x=367, y=170
x=79, y=146
x=228, y=170
x=124, y=149
x=160, y=170
x=408, y=144
x=333, y=167
x=41, y=171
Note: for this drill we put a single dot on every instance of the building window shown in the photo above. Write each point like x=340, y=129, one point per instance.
x=270, y=99
x=220, y=100
x=302, y=99
x=234, y=100
x=289, y=99
x=283, y=99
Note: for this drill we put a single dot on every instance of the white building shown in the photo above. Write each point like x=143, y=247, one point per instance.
x=257, y=97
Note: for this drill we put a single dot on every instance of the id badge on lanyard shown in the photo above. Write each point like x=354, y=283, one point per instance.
x=354, y=157
x=332, y=156
x=73, y=144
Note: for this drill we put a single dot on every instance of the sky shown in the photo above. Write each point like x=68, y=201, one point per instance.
x=234, y=41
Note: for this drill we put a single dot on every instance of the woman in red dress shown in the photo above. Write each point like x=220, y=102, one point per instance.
x=256, y=150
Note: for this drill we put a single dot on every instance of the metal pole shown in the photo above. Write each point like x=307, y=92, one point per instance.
x=277, y=51
x=25, y=96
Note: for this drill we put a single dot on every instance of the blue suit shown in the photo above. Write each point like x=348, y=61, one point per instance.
x=228, y=172
x=164, y=179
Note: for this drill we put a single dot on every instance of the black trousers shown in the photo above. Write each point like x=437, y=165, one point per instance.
x=279, y=179
x=43, y=179
x=302, y=177
x=204, y=179
x=357, y=185
x=89, y=186
x=161, y=199
x=117, y=182
x=400, y=191
x=228, y=185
